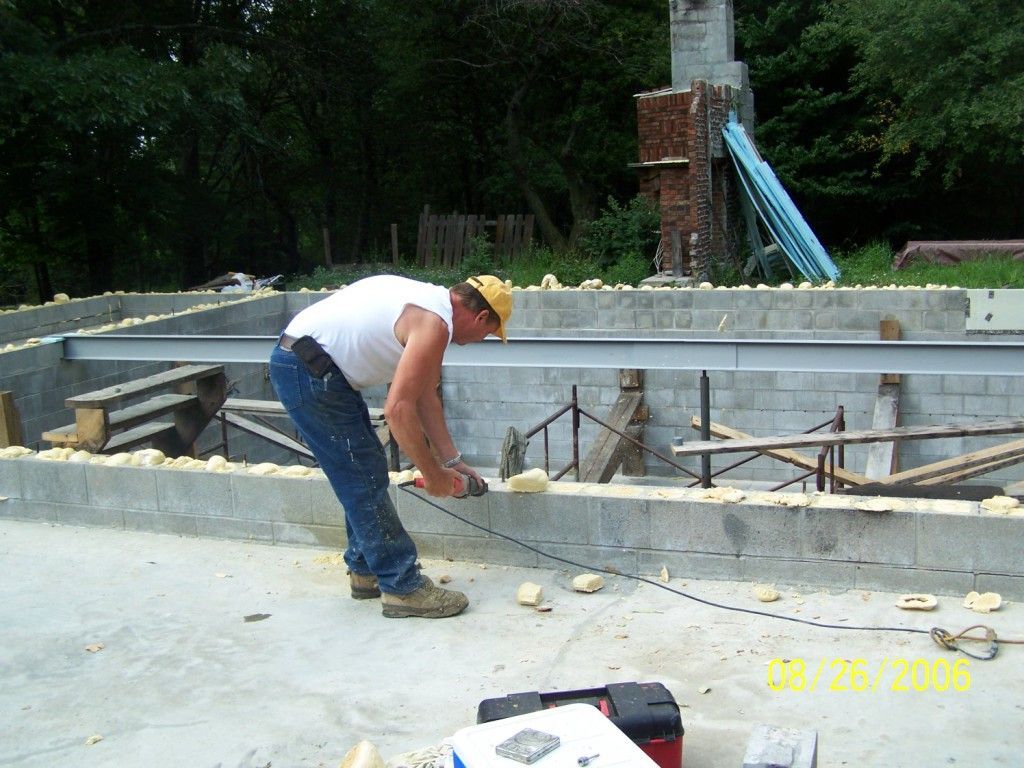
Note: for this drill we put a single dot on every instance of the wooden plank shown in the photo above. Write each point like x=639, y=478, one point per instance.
x=109, y=396
x=10, y=422
x=274, y=408
x=148, y=410
x=268, y=434
x=851, y=437
x=92, y=430
x=599, y=464
x=964, y=462
x=147, y=433
x=983, y=469
x=889, y=330
x=881, y=461
x=782, y=454
x=630, y=456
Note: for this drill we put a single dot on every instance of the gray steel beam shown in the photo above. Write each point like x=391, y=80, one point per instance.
x=929, y=357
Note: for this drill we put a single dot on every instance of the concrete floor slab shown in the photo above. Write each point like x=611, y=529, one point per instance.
x=183, y=679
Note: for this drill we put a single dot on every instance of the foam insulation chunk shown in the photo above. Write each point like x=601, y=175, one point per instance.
x=879, y=504
x=119, y=460
x=363, y=755
x=55, y=454
x=80, y=457
x=917, y=602
x=264, y=468
x=986, y=602
x=766, y=593
x=296, y=470
x=588, y=582
x=1001, y=505
x=405, y=476
x=148, y=457
x=532, y=481
x=725, y=493
x=15, y=451
x=529, y=593
x=663, y=576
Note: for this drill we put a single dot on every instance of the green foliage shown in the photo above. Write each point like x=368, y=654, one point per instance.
x=622, y=231
x=872, y=265
x=630, y=269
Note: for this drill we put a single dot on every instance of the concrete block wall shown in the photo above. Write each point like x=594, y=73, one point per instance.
x=945, y=548
x=41, y=380
x=18, y=325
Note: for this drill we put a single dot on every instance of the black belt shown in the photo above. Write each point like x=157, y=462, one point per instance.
x=308, y=350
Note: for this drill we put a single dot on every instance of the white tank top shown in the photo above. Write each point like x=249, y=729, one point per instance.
x=356, y=326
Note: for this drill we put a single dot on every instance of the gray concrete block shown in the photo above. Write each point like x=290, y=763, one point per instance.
x=58, y=481
x=978, y=543
x=216, y=527
x=772, y=747
x=277, y=499
x=10, y=477
x=160, y=522
x=194, y=493
x=690, y=565
x=491, y=550
x=421, y=516
x=122, y=487
x=324, y=505
x=20, y=509
x=915, y=580
x=798, y=573
x=616, y=522
x=589, y=558
x=1009, y=587
x=325, y=536
x=92, y=516
x=853, y=535
x=541, y=518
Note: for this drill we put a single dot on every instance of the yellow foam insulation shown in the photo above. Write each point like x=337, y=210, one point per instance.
x=529, y=593
x=986, y=602
x=917, y=602
x=1002, y=505
x=363, y=755
x=532, y=481
x=588, y=582
x=766, y=593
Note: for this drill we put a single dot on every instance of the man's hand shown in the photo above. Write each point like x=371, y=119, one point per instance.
x=464, y=469
x=442, y=483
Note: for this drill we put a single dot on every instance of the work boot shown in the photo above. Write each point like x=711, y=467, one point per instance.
x=427, y=602
x=364, y=586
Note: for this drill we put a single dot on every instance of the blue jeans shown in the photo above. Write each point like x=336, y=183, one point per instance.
x=333, y=420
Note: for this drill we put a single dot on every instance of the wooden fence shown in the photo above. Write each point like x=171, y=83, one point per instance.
x=444, y=240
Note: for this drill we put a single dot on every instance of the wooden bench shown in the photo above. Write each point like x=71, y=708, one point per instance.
x=100, y=426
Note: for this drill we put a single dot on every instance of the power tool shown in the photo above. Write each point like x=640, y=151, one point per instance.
x=465, y=485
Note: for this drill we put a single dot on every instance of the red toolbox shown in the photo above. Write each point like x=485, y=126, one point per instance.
x=646, y=712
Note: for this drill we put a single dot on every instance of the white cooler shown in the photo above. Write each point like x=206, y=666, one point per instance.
x=582, y=729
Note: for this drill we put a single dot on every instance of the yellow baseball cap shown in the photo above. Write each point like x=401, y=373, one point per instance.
x=498, y=296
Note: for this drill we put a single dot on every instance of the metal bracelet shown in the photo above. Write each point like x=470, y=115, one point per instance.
x=453, y=462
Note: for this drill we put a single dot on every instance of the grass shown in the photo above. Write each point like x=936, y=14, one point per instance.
x=872, y=265
x=869, y=265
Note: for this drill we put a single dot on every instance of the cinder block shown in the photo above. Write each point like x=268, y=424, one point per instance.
x=58, y=481
x=772, y=747
x=420, y=516
x=588, y=558
x=854, y=535
x=615, y=521
x=541, y=517
x=122, y=487
x=192, y=493
x=20, y=509
x=326, y=536
x=92, y=516
x=474, y=549
x=691, y=565
x=10, y=477
x=977, y=543
x=214, y=527
x=798, y=573
x=160, y=522
x=897, y=579
x=276, y=499
x=1010, y=587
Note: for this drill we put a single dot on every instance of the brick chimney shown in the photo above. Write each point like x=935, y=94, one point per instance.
x=683, y=164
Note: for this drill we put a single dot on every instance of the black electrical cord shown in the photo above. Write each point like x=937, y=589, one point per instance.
x=660, y=585
x=939, y=635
